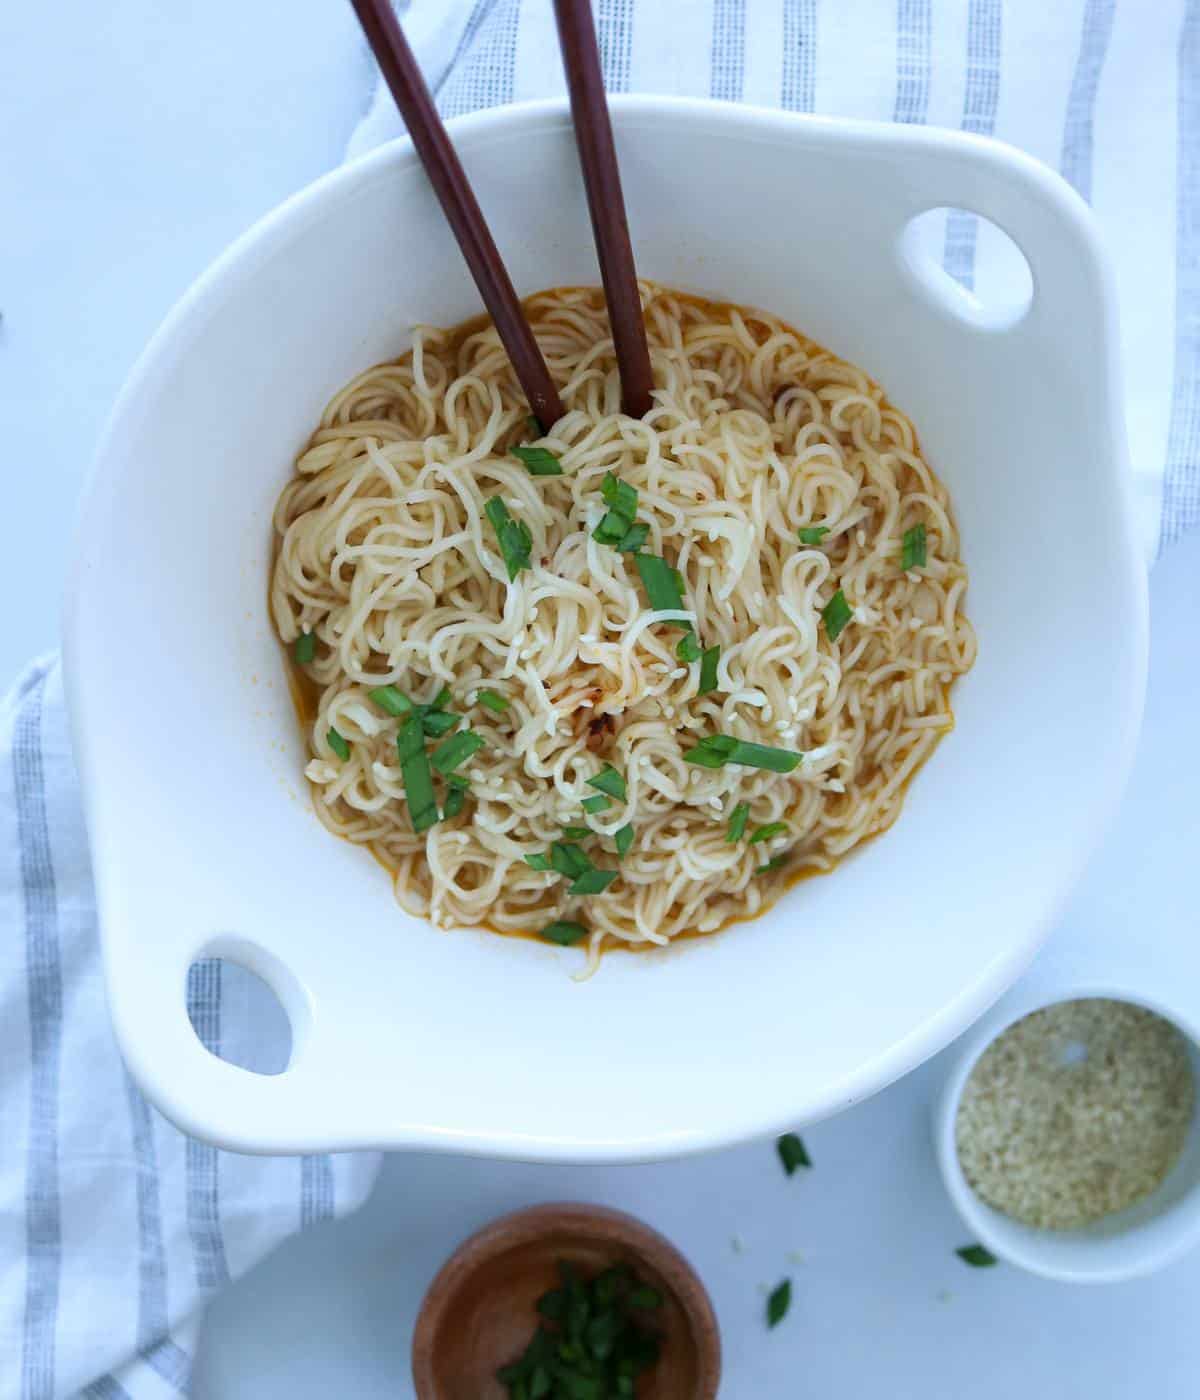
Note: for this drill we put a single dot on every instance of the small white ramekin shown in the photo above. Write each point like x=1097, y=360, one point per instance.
x=1136, y=1241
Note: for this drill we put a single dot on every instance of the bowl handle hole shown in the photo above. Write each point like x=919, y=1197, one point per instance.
x=968, y=267
x=238, y=1016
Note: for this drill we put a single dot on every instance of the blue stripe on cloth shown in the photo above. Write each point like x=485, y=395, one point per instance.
x=43, y=1224
x=316, y=1190
x=105, y=1389
x=614, y=32
x=203, y=1183
x=1076, y=162
x=727, y=63
x=483, y=70
x=475, y=19
x=980, y=100
x=914, y=30
x=171, y=1362
x=798, y=89
x=1181, y=483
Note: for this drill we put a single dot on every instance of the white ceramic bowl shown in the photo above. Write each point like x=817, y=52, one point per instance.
x=203, y=837
x=1144, y=1237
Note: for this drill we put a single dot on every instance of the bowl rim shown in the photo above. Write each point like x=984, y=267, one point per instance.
x=1128, y=690
x=974, y=1212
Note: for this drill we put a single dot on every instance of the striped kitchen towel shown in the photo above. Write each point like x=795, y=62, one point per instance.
x=114, y=1227
x=1105, y=91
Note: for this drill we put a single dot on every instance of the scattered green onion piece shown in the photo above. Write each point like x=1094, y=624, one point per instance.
x=776, y=864
x=591, y=805
x=912, y=553
x=737, y=823
x=455, y=798
x=662, y=584
x=577, y=833
x=392, y=701
x=610, y=781
x=564, y=932
x=976, y=1256
x=836, y=613
x=568, y=859
x=792, y=1153
x=536, y=861
x=778, y=1302
x=338, y=744
x=418, y=779
x=456, y=750
x=812, y=534
x=633, y=538
x=688, y=648
x=513, y=537
x=491, y=701
x=304, y=648
x=593, y=881
x=716, y=750
x=440, y=700
x=619, y=495
x=436, y=723
x=623, y=839
x=538, y=462
x=708, y=669
x=765, y=833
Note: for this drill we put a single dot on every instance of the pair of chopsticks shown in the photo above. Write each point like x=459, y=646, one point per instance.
x=606, y=204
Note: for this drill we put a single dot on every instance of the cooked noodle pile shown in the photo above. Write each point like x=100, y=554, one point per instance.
x=387, y=558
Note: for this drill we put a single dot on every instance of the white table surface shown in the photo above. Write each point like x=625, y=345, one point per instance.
x=133, y=150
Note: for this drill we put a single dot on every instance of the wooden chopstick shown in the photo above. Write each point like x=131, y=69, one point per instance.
x=606, y=204
x=450, y=184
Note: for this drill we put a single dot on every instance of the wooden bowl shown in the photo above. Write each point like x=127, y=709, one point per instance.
x=479, y=1313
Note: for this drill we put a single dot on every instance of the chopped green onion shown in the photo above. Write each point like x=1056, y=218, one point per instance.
x=765, y=833
x=776, y=864
x=812, y=534
x=538, y=462
x=792, y=1153
x=688, y=648
x=633, y=538
x=593, y=881
x=418, y=780
x=610, y=781
x=440, y=700
x=536, y=861
x=392, y=701
x=490, y=700
x=534, y=425
x=976, y=1256
x=836, y=613
x=716, y=750
x=623, y=839
x=708, y=669
x=456, y=750
x=619, y=495
x=338, y=744
x=912, y=554
x=564, y=932
x=438, y=722
x=737, y=823
x=455, y=798
x=568, y=859
x=577, y=833
x=778, y=1303
x=513, y=537
x=595, y=804
x=304, y=648
x=663, y=585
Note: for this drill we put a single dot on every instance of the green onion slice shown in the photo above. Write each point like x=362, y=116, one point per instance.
x=538, y=461
x=716, y=750
x=610, y=781
x=568, y=859
x=812, y=534
x=564, y=932
x=593, y=881
x=623, y=839
x=765, y=833
x=662, y=584
x=912, y=553
x=492, y=701
x=536, y=861
x=688, y=648
x=776, y=864
x=456, y=750
x=392, y=701
x=976, y=1256
x=304, y=648
x=737, y=823
x=778, y=1302
x=513, y=537
x=438, y=722
x=577, y=833
x=708, y=669
x=455, y=798
x=836, y=613
x=595, y=804
x=633, y=538
x=792, y=1153
x=418, y=779
x=338, y=744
